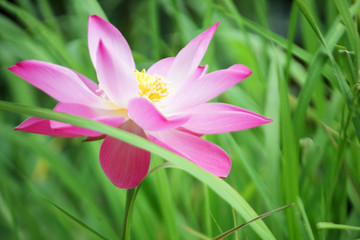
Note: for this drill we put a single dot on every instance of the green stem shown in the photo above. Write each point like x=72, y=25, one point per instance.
x=130, y=199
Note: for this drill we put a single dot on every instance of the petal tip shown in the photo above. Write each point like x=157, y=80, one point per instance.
x=213, y=28
x=15, y=67
x=95, y=17
x=12, y=68
x=268, y=120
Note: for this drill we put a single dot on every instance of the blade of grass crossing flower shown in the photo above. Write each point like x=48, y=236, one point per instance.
x=219, y=186
x=165, y=200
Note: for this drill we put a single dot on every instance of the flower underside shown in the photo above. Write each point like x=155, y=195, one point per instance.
x=153, y=87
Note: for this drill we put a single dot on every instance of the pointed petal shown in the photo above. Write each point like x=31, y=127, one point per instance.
x=207, y=87
x=117, y=79
x=91, y=85
x=99, y=28
x=189, y=58
x=213, y=118
x=161, y=67
x=42, y=126
x=205, y=154
x=59, y=82
x=125, y=165
x=145, y=114
x=199, y=72
x=112, y=118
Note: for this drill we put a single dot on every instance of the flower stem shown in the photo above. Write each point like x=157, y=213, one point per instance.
x=130, y=199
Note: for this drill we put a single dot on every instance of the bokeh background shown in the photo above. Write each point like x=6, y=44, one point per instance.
x=309, y=155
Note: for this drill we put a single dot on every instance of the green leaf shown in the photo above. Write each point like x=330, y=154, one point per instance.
x=218, y=185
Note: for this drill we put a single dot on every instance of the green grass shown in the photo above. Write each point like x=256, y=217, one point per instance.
x=307, y=80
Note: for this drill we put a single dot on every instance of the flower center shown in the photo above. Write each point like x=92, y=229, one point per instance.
x=153, y=87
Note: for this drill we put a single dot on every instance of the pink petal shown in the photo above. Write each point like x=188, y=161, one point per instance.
x=161, y=67
x=145, y=114
x=108, y=117
x=91, y=85
x=117, y=79
x=207, y=87
x=205, y=154
x=199, y=72
x=125, y=165
x=101, y=29
x=189, y=58
x=213, y=118
x=59, y=82
x=42, y=126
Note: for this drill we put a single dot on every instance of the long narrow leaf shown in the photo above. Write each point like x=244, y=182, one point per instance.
x=219, y=186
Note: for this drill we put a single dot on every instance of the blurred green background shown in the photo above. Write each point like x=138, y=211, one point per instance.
x=305, y=61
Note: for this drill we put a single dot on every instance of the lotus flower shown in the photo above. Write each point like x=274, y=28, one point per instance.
x=167, y=104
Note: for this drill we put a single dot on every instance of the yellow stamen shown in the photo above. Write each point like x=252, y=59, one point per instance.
x=153, y=87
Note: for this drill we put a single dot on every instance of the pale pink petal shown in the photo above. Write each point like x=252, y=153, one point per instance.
x=213, y=118
x=189, y=58
x=59, y=82
x=118, y=80
x=112, y=118
x=91, y=85
x=161, y=67
x=199, y=72
x=125, y=165
x=207, y=87
x=145, y=114
x=205, y=154
x=42, y=126
x=99, y=28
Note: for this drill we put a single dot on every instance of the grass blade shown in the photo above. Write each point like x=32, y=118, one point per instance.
x=219, y=186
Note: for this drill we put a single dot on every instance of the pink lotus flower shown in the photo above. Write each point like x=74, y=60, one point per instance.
x=167, y=104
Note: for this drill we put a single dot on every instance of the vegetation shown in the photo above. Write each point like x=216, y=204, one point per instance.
x=305, y=58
